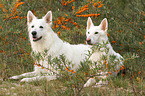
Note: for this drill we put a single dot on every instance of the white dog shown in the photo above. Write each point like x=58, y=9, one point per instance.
x=43, y=38
x=98, y=34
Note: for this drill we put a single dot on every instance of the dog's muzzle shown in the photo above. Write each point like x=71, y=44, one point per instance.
x=34, y=33
x=88, y=41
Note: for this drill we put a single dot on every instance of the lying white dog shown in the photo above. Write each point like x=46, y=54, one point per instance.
x=95, y=35
x=43, y=38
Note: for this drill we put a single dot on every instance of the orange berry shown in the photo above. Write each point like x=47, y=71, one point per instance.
x=58, y=33
x=140, y=43
x=139, y=72
x=114, y=42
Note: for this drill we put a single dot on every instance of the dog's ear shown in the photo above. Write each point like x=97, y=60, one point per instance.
x=30, y=16
x=104, y=24
x=89, y=23
x=48, y=17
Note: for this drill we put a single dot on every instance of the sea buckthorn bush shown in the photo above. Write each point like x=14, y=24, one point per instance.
x=125, y=32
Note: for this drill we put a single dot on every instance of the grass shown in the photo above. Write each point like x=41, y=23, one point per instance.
x=126, y=28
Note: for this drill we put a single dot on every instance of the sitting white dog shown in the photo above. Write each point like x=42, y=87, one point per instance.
x=95, y=35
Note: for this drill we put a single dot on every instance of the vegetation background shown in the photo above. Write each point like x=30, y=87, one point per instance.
x=126, y=33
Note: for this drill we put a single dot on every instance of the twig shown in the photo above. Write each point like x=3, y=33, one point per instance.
x=134, y=91
x=143, y=3
x=46, y=68
x=79, y=90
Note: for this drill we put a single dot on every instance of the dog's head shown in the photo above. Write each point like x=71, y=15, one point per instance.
x=95, y=34
x=38, y=27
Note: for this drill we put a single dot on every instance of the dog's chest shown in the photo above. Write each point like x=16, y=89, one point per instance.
x=97, y=56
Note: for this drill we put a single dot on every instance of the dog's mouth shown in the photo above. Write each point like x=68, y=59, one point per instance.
x=89, y=43
x=36, y=39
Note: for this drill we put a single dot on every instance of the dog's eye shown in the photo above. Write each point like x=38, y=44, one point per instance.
x=41, y=27
x=88, y=32
x=96, y=32
x=32, y=26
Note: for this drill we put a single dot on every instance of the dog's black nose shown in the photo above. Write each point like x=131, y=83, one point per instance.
x=34, y=33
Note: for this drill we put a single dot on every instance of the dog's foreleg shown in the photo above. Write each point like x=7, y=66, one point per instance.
x=29, y=74
x=90, y=82
x=37, y=78
x=100, y=83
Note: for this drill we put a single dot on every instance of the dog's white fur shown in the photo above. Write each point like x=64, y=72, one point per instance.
x=51, y=42
x=98, y=34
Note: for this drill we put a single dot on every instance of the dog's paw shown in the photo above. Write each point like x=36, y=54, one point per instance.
x=26, y=80
x=14, y=77
x=90, y=82
x=101, y=83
